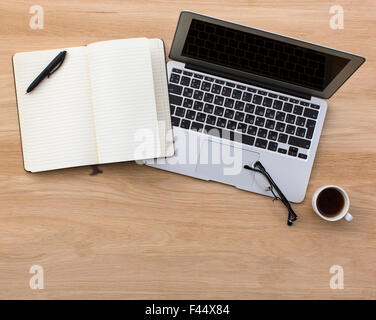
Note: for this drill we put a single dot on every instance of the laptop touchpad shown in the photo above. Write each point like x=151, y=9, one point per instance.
x=223, y=162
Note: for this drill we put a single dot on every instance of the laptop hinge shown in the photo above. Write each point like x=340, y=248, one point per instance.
x=248, y=81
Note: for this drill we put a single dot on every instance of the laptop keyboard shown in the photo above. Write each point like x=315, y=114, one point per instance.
x=243, y=113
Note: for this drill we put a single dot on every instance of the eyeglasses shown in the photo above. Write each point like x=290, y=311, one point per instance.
x=273, y=188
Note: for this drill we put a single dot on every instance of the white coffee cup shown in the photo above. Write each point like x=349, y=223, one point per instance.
x=344, y=213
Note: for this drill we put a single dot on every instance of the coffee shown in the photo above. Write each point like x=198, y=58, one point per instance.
x=330, y=202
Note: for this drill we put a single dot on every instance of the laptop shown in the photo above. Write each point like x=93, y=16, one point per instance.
x=240, y=95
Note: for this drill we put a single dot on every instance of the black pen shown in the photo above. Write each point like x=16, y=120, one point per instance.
x=50, y=69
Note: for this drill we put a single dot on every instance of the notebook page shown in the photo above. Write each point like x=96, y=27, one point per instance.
x=56, y=120
x=123, y=100
x=161, y=97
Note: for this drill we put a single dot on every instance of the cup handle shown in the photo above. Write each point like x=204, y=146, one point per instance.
x=348, y=217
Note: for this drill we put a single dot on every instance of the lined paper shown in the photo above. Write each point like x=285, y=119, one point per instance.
x=55, y=118
x=123, y=100
x=161, y=97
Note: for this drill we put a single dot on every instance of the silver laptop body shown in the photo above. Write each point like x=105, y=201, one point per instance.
x=240, y=95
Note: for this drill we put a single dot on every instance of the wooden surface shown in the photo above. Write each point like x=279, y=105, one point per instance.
x=135, y=232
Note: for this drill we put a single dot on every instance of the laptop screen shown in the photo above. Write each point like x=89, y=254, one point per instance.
x=260, y=55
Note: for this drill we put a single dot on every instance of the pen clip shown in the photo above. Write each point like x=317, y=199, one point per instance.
x=54, y=69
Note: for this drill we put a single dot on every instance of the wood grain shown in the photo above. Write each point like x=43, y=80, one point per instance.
x=135, y=232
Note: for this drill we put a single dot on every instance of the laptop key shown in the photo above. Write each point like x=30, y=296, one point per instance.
x=198, y=76
x=236, y=94
x=300, y=121
x=231, y=125
x=172, y=109
x=197, y=126
x=175, y=121
x=260, y=121
x=287, y=107
x=219, y=100
x=298, y=110
x=175, y=89
x=229, y=113
x=242, y=127
x=270, y=113
x=239, y=116
x=230, y=84
x=209, y=79
x=218, y=111
x=251, y=90
x=185, y=124
x=226, y=91
x=277, y=104
x=216, y=89
x=188, y=103
x=260, y=111
x=175, y=78
x=247, y=97
x=201, y=117
x=229, y=103
x=272, y=146
x=185, y=81
x=198, y=105
x=281, y=150
x=311, y=113
x=180, y=112
x=280, y=116
x=293, y=151
x=249, y=140
x=300, y=132
x=205, y=86
x=208, y=97
x=315, y=106
x=221, y=122
x=195, y=84
x=264, y=93
x=241, y=87
x=261, y=143
x=262, y=133
x=299, y=142
x=250, y=108
x=211, y=119
x=267, y=102
x=290, y=118
x=282, y=138
x=309, y=133
x=249, y=118
x=208, y=108
x=303, y=103
x=280, y=126
x=290, y=129
x=219, y=81
x=302, y=156
x=310, y=123
x=190, y=114
x=239, y=105
x=175, y=100
x=272, y=135
x=176, y=70
x=269, y=124
x=252, y=130
x=257, y=99
x=198, y=95
x=187, y=73
x=188, y=92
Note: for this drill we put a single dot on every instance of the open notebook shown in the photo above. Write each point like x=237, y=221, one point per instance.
x=108, y=102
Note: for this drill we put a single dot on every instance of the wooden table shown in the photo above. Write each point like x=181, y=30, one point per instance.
x=135, y=232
